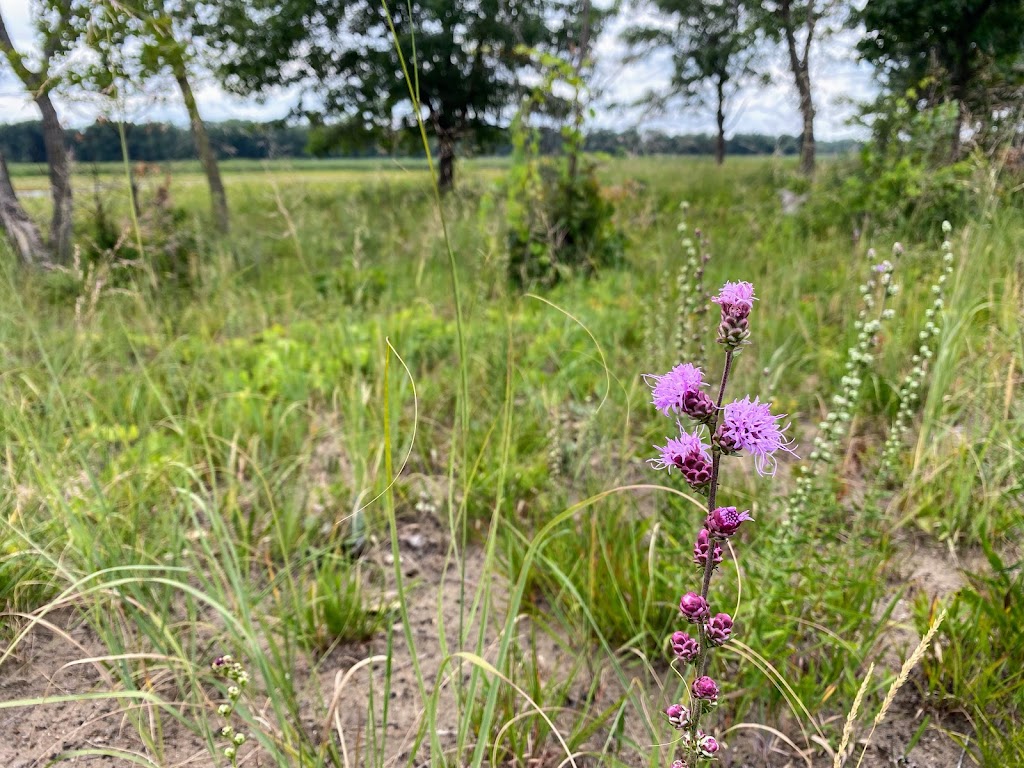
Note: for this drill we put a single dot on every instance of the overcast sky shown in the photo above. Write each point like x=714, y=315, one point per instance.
x=839, y=82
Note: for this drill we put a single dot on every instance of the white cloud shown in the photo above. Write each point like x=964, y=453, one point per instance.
x=837, y=77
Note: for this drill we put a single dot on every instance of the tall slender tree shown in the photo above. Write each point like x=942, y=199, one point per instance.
x=52, y=28
x=141, y=39
x=799, y=24
x=714, y=53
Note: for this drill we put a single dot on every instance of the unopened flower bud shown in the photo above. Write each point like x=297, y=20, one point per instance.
x=684, y=646
x=718, y=630
x=707, y=746
x=694, y=608
x=678, y=716
x=703, y=546
x=705, y=689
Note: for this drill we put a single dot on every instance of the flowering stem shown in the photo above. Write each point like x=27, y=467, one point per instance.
x=709, y=566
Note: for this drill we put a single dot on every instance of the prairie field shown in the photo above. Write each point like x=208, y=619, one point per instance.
x=415, y=503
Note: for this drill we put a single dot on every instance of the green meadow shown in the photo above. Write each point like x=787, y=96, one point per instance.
x=415, y=504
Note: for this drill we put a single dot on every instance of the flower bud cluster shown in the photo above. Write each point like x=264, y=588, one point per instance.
x=913, y=384
x=232, y=671
x=843, y=405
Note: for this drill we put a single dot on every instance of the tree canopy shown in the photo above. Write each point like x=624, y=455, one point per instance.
x=465, y=61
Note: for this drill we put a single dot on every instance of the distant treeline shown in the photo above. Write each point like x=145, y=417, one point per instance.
x=159, y=142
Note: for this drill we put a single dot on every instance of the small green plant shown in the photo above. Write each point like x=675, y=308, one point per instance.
x=334, y=608
x=238, y=681
x=559, y=222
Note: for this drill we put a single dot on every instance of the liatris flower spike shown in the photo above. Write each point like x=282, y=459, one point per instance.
x=742, y=426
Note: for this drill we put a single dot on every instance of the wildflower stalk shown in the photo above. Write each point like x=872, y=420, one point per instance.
x=913, y=383
x=871, y=318
x=740, y=426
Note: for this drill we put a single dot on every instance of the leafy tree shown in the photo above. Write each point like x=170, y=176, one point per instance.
x=464, y=58
x=52, y=26
x=713, y=45
x=968, y=52
x=139, y=39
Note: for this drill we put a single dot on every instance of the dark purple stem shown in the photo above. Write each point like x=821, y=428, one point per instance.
x=709, y=566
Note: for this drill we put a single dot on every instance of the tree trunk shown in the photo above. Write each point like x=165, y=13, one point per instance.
x=446, y=164
x=720, y=118
x=62, y=223
x=20, y=228
x=38, y=86
x=800, y=67
x=201, y=138
x=808, y=148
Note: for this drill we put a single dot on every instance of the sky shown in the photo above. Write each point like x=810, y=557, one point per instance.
x=839, y=82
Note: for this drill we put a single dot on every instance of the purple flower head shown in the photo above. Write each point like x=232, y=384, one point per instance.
x=736, y=300
x=678, y=716
x=718, y=630
x=707, y=746
x=705, y=689
x=703, y=546
x=750, y=426
x=885, y=266
x=689, y=455
x=694, y=608
x=680, y=390
x=221, y=662
x=684, y=647
x=678, y=764
x=723, y=522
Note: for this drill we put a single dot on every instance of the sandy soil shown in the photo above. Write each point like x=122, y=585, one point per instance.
x=47, y=664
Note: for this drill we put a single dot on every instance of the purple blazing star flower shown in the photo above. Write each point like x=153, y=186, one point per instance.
x=694, y=608
x=685, y=647
x=689, y=455
x=705, y=689
x=723, y=522
x=680, y=390
x=718, y=630
x=702, y=547
x=736, y=300
x=750, y=426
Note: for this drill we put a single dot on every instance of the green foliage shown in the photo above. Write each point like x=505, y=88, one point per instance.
x=333, y=608
x=903, y=177
x=464, y=59
x=212, y=445
x=968, y=50
x=559, y=222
